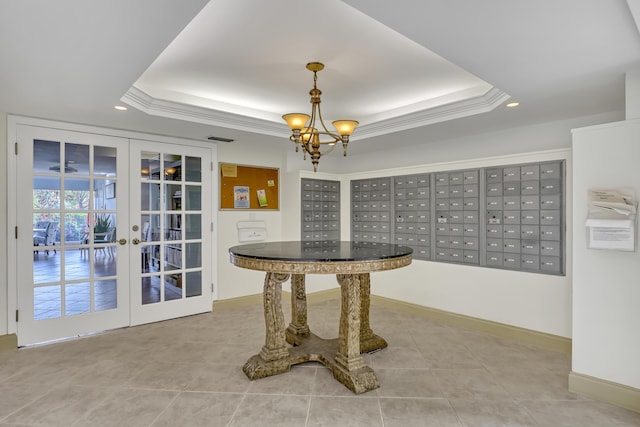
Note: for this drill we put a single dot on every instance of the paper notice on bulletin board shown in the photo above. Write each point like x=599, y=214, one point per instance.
x=262, y=198
x=229, y=171
x=241, y=197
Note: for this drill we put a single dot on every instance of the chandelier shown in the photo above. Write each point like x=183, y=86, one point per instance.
x=310, y=132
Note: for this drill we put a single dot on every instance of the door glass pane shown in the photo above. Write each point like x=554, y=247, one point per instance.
x=155, y=258
x=151, y=289
x=149, y=197
x=173, y=287
x=173, y=197
x=76, y=228
x=46, y=268
x=46, y=156
x=155, y=228
x=173, y=227
x=46, y=192
x=76, y=194
x=77, y=298
x=193, y=229
x=76, y=263
x=172, y=167
x=46, y=235
x=104, y=161
x=193, y=197
x=105, y=295
x=194, y=283
x=193, y=169
x=76, y=159
x=99, y=190
x=47, y=302
x=193, y=255
x=173, y=256
x=150, y=165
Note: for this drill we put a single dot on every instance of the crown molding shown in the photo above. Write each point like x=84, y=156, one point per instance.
x=455, y=110
x=191, y=113
x=175, y=110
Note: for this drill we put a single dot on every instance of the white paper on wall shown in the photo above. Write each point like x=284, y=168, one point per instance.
x=611, y=219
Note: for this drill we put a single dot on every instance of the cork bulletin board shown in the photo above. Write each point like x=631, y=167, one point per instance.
x=249, y=187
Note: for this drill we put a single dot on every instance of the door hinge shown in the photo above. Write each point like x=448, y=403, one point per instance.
x=212, y=227
x=211, y=287
x=211, y=166
x=16, y=231
x=16, y=148
x=16, y=316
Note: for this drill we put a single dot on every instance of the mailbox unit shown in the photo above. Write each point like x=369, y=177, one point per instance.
x=320, y=210
x=509, y=217
x=371, y=210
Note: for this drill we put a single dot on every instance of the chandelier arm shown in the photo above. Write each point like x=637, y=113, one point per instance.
x=327, y=131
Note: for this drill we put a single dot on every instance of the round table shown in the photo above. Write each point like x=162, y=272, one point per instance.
x=351, y=262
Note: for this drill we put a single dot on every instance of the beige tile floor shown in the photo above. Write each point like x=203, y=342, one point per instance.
x=187, y=372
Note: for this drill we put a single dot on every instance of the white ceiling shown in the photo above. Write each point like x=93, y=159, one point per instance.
x=195, y=68
x=251, y=63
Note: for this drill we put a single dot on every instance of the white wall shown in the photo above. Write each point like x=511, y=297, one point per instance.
x=547, y=136
x=606, y=284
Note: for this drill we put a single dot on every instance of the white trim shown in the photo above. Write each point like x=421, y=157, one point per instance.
x=12, y=220
x=176, y=110
x=605, y=391
x=455, y=110
x=44, y=123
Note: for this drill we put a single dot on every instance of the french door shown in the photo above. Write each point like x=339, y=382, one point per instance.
x=72, y=274
x=171, y=231
x=112, y=232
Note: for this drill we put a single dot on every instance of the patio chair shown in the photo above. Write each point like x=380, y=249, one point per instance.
x=44, y=233
x=104, y=238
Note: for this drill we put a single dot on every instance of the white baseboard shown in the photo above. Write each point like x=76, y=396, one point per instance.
x=605, y=391
x=527, y=336
x=8, y=342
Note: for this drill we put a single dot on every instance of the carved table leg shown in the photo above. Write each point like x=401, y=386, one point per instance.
x=274, y=356
x=298, y=328
x=368, y=340
x=350, y=368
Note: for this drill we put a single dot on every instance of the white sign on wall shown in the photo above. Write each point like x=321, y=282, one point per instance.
x=611, y=219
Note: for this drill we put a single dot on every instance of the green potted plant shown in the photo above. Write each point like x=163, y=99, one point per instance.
x=102, y=223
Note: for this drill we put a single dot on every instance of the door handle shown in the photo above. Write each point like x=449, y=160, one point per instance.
x=122, y=241
x=135, y=241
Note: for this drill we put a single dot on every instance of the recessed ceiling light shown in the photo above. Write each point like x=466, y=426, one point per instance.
x=512, y=104
x=120, y=108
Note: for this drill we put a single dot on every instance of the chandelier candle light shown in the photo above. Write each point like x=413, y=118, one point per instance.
x=312, y=135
